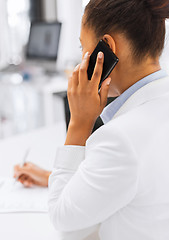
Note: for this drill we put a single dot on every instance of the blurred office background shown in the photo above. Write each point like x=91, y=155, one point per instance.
x=33, y=90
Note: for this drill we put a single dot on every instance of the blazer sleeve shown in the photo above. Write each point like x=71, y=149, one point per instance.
x=90, y=184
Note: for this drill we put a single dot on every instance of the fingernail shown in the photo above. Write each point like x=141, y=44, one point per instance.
x=86, y=55
x=108, y=81
x=76, y=68
x=100, y=55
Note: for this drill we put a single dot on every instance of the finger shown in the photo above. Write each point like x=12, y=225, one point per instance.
x=70, y=82
x=18, y=177
x=16, y=170
x=16, y=167
x=17, y=174
x=96, y=77
x=27, y=183
x=21, y=179
x=104, y=92
x=21, y=171
x=75, y=76
x=83, y=77
x=25, y=170
x=25, y=180
x=73, y=79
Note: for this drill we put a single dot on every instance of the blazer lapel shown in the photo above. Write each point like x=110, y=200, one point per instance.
x=148, y=92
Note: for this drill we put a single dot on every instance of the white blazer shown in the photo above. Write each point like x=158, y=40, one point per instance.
x=119, y=183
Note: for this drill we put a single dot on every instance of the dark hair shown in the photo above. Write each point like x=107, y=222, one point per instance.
x=142, y=22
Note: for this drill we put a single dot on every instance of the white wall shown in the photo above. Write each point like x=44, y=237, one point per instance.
x=49, y=7
x=69, y=13
x=4, y=35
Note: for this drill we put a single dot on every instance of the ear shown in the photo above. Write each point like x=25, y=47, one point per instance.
x=110, y=41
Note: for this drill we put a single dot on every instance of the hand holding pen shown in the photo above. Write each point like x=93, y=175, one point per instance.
x=30, y=174
x=23, y=162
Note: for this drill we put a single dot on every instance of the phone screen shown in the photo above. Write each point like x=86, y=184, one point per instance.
x=110, y=61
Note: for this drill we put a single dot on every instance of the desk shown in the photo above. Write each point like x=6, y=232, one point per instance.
x=26, y=226
x=44, y=143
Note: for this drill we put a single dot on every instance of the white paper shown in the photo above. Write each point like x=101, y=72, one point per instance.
x=14, y=197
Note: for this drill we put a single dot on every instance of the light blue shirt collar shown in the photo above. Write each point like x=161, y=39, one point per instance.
x=109, y=111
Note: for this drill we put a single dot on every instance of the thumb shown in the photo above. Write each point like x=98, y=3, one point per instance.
x=104, y=92
x=20, y=171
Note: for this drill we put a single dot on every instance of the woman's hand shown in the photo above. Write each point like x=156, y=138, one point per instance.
x=85, y=103
x=30, y=175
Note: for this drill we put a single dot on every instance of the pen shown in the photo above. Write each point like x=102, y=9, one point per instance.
x=23, y=161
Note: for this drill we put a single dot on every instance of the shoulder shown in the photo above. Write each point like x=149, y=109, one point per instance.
x=114, y=130
x=110, y=148
x=112, y=138
x=120, y=134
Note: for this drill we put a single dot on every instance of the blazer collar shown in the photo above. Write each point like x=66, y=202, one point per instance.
x=148, y=92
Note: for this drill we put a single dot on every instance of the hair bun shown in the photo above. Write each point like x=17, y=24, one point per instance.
x=159, y=8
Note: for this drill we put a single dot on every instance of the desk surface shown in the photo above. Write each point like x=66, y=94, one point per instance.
x=30, y=226
x=44, y=142
x=26, y=226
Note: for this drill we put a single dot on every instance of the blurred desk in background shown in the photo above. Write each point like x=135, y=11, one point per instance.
x=27, y=105
x=53, y=93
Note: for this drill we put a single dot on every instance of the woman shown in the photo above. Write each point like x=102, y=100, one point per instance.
x=116, y=180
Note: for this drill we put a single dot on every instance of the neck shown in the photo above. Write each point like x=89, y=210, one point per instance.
x=131, y=75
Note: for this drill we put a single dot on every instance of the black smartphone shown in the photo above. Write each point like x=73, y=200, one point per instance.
x=110, y=61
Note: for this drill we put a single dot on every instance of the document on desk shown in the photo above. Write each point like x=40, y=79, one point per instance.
x=14, y=197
